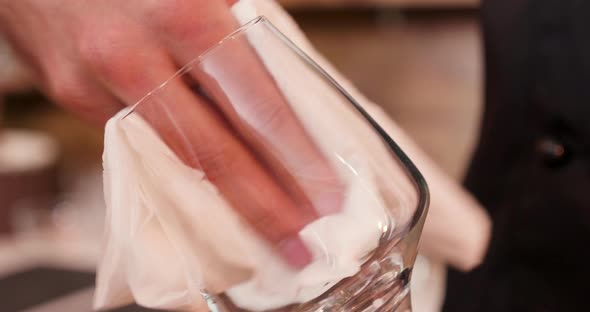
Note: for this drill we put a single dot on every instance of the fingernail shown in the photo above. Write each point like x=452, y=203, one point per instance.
x=294, y=252
x=328, y=203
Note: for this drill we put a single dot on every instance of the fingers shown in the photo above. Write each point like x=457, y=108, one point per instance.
x=76, y=90
x=193, y=129
x=236, y=79
x=181, y=30
x=249, y=143
x=253, y=102
x=90, y=101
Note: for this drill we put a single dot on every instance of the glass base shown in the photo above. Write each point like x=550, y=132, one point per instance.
x=382, y=285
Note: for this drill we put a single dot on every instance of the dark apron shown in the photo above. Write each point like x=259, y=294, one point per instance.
x=531, y=169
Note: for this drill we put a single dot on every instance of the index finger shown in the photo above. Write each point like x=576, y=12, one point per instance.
x=235, y=77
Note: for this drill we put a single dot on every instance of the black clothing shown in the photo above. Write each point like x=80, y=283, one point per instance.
x=531, y=169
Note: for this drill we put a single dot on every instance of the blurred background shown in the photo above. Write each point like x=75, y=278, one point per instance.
x=419, y=59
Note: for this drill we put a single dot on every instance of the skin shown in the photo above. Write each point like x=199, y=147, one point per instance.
x=96, y=57
x=85, y=56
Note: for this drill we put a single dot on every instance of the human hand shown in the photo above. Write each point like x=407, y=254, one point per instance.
x=96, y=57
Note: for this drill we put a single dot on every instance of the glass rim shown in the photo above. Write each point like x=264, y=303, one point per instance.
x=415, y=175
x=198, y=59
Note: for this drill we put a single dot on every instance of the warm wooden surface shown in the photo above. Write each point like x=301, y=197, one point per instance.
x=383, y=3
x=423, y=67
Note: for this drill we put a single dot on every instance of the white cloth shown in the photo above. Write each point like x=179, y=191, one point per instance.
x=142, y=237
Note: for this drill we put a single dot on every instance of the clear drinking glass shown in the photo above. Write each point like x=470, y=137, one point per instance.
x=316, y=144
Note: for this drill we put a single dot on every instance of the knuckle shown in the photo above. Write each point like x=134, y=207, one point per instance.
x=272, y=117
x=64, y=87
x=171, y=17
x=71, y=92
x=106, y=51
x=266, y=225
x=277, y=225
x=217, y=160
x=159, y=8
x=277, y=231
x=177, y=21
